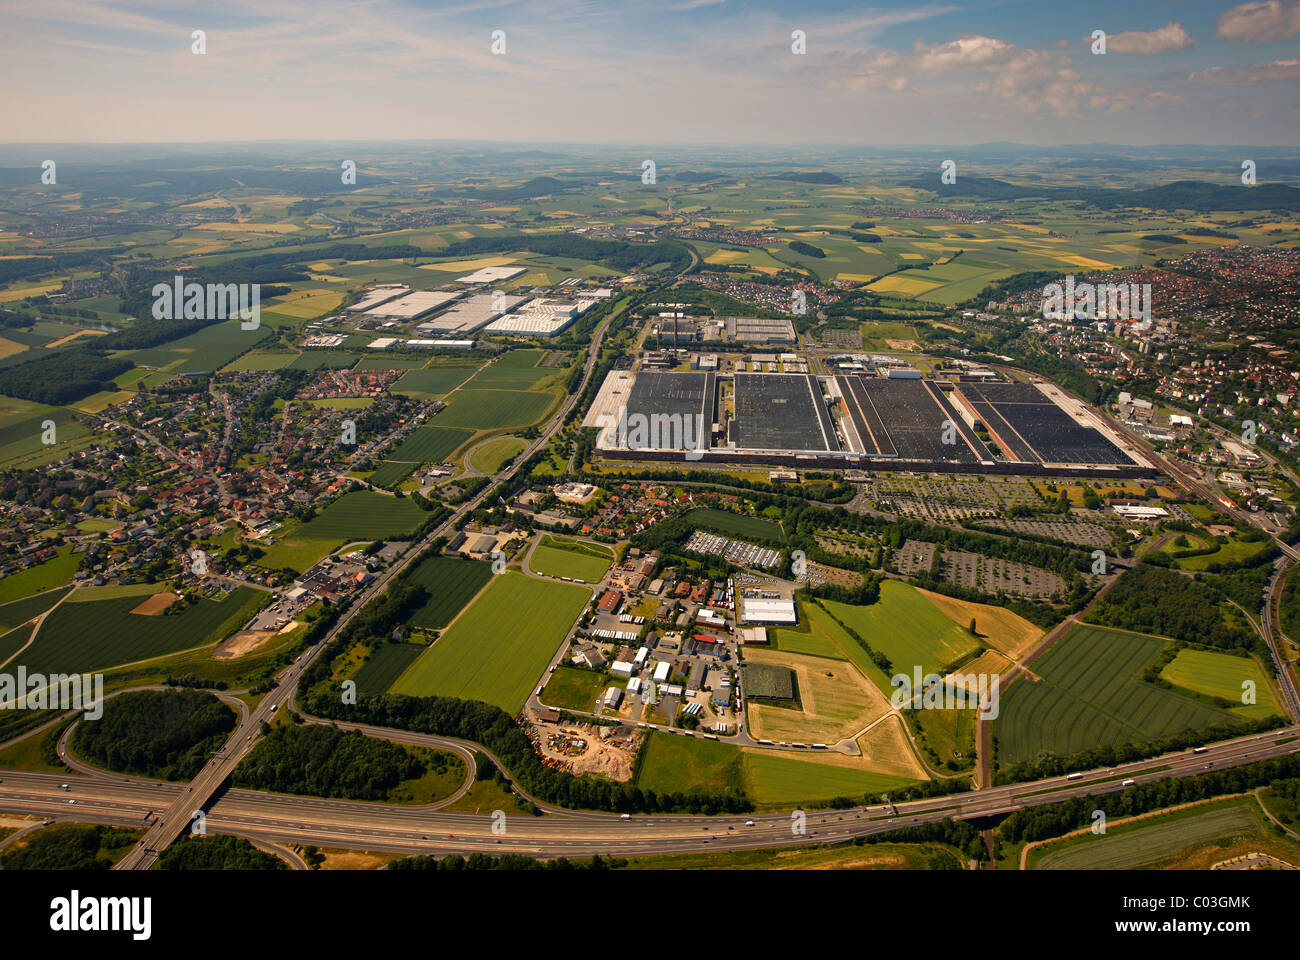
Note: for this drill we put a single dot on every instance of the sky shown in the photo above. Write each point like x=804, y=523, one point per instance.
x=898, y=72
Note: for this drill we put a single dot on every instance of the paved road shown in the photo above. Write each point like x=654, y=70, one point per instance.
x=178, y=816
x=362, y=826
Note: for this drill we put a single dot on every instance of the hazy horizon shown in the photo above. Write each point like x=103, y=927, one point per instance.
x=698, y=72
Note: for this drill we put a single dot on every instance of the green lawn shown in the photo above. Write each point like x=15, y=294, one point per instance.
x=561, y=557
x=1222, y=675
x=674, y=764
x=492, y=653
x=734, y=524
x=493, y=455
x=51, y=573
x=772, y=777
x=572, y=689
x=907, y=628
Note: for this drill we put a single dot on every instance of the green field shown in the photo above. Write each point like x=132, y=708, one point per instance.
x=363, y=515
x=22, y=431
x=561, y=557
x=84, y=637
x=51, y=573
x=390, y=473
x=1234, y=551
x=1221, y=675
x=772, y=777
x=257, y=360
x=20, y=611
x=492, y=456
x=434, y=381
x=673, y=764
x=209, y=349
x=517, y=370
x=452, y=583
x=816, y=635
x=1090, y=695
x=492, y=655
x=1131, y=846
x=492, y=409
x=572, y=689
x=734, y=524
x=387, y=662
x=907, y=628
x=430, y=444
x=12, y=641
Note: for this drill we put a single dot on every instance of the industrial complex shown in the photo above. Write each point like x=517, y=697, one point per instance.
x=895, y=420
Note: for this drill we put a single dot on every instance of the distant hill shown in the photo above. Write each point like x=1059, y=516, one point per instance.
x=536, y=187
x=1179, y=195
x=816, y=177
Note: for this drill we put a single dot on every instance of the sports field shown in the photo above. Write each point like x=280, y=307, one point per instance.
x=452, y=583
x=835, y=700
x=1089, y=694
x=562, y=557
x=491, y=654
x=907, y=628
x=1223, y=675
x=82, y=637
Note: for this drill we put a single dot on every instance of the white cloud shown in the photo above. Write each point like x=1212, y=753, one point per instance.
x=1171, y=36
x=1265, y=22
x=1251, y=75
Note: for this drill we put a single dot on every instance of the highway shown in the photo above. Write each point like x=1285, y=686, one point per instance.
x=177, y=817
x=272, y=818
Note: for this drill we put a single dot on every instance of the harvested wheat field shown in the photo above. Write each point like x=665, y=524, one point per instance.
x=155, y=604
x=998, y=627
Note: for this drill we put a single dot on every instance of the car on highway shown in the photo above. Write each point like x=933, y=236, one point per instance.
x=626, y=816
x=749, y=823
x=1128, y=783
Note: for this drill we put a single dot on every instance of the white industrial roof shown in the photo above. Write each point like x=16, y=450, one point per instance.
x=490, y=274
x=414, y=304
x=770, y=611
